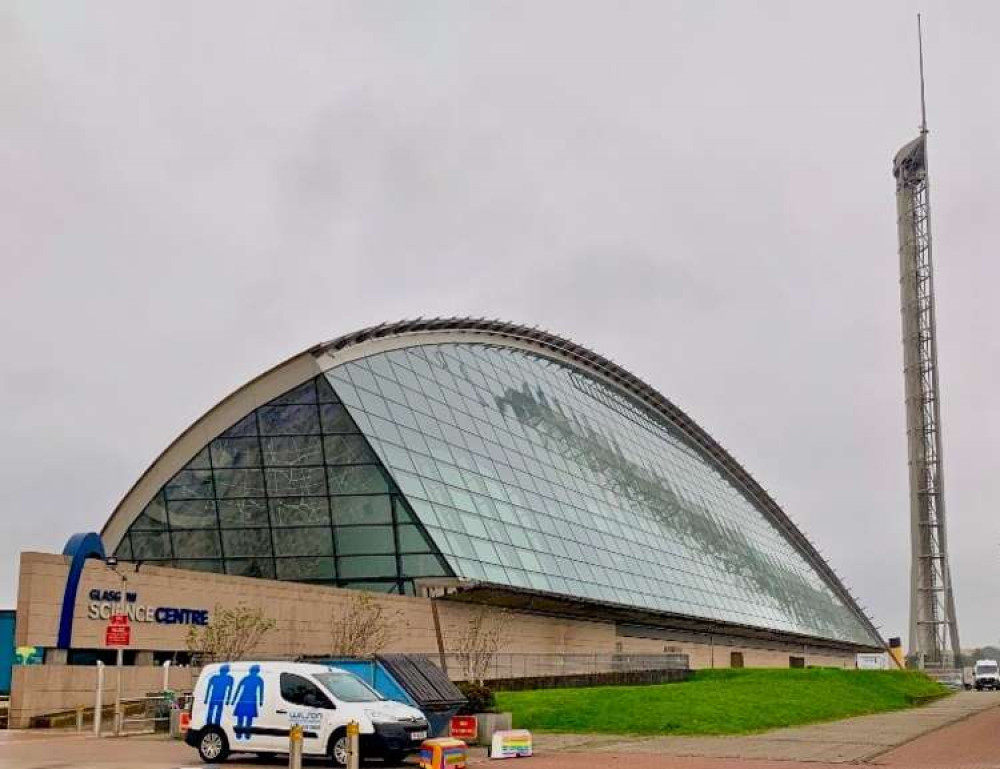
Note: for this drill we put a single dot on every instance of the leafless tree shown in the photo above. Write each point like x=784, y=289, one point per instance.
x=232, y=634
x=362, y=627
x=481, y=639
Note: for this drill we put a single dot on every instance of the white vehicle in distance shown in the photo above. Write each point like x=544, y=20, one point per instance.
x=251, y=707
x=986, y=675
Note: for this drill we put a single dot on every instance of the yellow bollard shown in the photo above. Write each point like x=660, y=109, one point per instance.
x=353, y=745
x=295, y=747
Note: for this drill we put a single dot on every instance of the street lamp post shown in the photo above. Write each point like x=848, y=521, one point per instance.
x=112, y=563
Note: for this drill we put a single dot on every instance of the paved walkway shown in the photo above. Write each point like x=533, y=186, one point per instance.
x=852, y=740
x=970, y=744
x=960, y=732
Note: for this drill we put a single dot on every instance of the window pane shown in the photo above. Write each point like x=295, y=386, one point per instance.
x=200, y=462
x=124, y=550
x=300, y=511
x=326, y=393
x=288, y=420
x=153, y=518
x=348, y=510
x=242, y=542
x=242, y=512
x=411, y=540
x=289, y=481
x=293, y=450
x=364, y=539
x=422, y=566
x=301, y=691
x=304, y=393
x=199, y=565
x=239, y=483
x=149, y=546
x=300, y=569
x=190, y=484
x=245, y=427
x=236, y=452
x=335, y=419
x=250, y=567
x=359, y=479
x=193, y=514
x=347, y=450
x=367, y=567
x=196, y=544
x=311, y=541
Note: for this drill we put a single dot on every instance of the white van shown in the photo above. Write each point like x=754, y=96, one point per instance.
x=251, y=707
x=986, y=675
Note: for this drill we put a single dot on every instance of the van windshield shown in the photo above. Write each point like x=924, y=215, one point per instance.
x=348, y=688
x=986, y=670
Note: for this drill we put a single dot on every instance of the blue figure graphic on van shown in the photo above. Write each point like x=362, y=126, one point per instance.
x=219, y=687
x=249, y=696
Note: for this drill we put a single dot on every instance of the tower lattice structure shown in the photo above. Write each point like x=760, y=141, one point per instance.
x=933, y=626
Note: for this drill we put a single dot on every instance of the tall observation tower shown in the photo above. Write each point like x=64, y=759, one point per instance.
x=933, y=625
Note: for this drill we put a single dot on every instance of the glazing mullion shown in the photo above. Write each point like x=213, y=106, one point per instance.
x=394, y=499
x=326, y=483
x=267, y=498
x=215, y=504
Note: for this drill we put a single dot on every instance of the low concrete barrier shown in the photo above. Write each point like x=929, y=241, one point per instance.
x=617, y=678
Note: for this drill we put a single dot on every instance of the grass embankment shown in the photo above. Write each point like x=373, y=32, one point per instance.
x=718, y=702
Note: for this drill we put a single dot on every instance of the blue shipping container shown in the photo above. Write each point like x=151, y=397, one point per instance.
x=6, y=648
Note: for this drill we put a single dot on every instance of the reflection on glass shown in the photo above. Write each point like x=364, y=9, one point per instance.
x=257, y=502
x=543, y=477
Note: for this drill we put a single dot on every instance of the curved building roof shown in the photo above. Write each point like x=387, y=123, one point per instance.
x=485, y=451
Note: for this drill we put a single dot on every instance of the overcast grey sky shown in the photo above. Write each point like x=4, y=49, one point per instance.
x=191, y=192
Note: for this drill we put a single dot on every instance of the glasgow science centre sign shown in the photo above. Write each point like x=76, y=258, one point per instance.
x=103, y=604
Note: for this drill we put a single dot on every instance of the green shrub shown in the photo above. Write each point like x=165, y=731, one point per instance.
x=480, y=698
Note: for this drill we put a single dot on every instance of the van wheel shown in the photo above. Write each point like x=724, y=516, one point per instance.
x=337, y=748
x=213, y=746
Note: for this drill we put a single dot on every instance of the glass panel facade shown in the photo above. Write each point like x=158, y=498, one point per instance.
x=527, y=472
x=293, y=491
x=490, y=463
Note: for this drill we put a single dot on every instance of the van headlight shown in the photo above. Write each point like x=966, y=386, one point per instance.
x=383, y=717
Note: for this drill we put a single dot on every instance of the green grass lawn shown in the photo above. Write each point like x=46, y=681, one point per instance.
x=718, y=702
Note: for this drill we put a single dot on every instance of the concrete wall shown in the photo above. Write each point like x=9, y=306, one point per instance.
x=305, y=615
x=715, y=652
x=43, y=689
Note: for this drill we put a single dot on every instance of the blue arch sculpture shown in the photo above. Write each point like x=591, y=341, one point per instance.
x=80, y=547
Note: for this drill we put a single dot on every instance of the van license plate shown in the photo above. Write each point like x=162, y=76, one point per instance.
x=418, y=735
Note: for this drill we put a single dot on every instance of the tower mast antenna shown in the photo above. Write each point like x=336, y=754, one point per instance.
x=934, y=641
x=923, y=101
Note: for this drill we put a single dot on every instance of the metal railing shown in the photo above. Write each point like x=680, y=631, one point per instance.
x=143, y=715
x=134, y=715
x=510, y=665
x=953, y=678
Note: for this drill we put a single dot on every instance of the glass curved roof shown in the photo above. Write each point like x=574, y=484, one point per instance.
x=487, y=462
x=531, y=473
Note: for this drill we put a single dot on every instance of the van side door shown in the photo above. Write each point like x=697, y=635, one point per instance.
x=309, y=706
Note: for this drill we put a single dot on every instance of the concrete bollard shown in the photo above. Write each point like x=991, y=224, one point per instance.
x=353, y=745
x=79, y=718
x=295, y=747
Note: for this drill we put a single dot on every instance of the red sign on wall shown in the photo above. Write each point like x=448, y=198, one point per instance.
x=118, y=632
x=464, y=727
